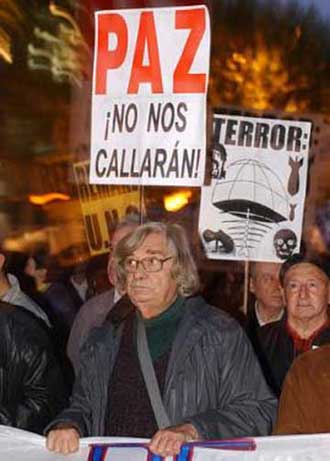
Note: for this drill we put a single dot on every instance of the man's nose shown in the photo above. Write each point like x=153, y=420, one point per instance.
x=140, y=271
x=303, y=292
x=277, y=284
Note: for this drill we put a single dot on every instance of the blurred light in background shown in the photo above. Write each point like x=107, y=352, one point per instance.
x=47, y=198
x=10, y=23
x=26, y=240
x=176, y=201
x=65, y=53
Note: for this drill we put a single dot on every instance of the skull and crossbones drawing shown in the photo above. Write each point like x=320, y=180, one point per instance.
x=285, y=242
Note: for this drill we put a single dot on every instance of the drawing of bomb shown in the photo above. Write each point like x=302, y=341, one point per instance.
x=285, y=242
x=254, y=198
x=294, y=181
x=223, y=243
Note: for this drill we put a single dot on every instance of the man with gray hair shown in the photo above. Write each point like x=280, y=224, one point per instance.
x=265, y=286
x=267, y=303
x=176, y=370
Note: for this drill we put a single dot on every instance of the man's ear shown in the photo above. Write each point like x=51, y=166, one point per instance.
x=112, y=276
x=2, y=261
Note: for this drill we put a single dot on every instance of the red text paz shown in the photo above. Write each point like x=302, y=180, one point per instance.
x=131, y=52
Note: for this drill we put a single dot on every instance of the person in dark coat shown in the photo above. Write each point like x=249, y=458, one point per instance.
x=266, y=303
x=209, y=380
x=32, y=390
x=94, y=312
x=306, y=324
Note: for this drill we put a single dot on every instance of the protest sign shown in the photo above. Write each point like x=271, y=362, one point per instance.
x=253, y=208
x=150, y=81
x=103, y=207
x=18, y=445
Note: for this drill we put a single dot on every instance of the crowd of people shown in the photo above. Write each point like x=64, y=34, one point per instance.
x=148, y=356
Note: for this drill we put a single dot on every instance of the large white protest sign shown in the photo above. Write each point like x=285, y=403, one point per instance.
x=254, y=207
x=150, y=81
x=18, y=445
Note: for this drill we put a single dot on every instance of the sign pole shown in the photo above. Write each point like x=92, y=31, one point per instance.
x=246, y=285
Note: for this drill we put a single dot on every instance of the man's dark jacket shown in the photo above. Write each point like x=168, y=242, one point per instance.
x=213, y=379
x=276, y=351
x=31, y=386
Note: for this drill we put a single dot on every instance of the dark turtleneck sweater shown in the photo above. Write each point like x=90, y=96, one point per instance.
x=129, y=411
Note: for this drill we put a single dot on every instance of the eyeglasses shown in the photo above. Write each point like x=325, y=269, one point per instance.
x=149, y=264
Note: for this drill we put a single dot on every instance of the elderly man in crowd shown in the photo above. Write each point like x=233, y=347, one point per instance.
x=305, y=284
x=265, y=285
x=266, y=303
x=176, y=370
x=94, y=312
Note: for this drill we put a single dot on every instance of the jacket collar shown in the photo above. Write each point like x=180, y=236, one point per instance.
x=13, y=291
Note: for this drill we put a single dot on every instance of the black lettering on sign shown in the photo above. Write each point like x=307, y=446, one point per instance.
x=82, y=182
x=188, y=161
x=295, y=135
x=113, y=165
x=107, y=121
x=160, y=159
x=146, y=164
x=99, y=168
x=166, y=116
x=261, y=135
x=182, y=108
x=124, y=118
x=93, y=232
x=111, y=220
x=133, y=173
x=245, y=134
x=277, y=137
x=217, y=125
x=231, y=132
x=173, y=166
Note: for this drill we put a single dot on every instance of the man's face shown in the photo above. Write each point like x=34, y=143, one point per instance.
x=306, y=290
x=31, y=269
x=266, y=287
x=117, y=236
x=152, y=292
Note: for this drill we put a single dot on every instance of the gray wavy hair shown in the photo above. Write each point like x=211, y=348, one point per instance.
x=184, y=269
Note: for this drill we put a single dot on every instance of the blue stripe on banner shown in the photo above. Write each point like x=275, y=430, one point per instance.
x=98, y=452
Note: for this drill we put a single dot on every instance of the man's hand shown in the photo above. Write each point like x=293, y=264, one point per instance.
x=63, y=440
x=167, y=442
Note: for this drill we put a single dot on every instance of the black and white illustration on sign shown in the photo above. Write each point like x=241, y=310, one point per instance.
x=253, y=208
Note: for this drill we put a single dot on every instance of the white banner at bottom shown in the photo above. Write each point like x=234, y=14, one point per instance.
x=18, y=445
